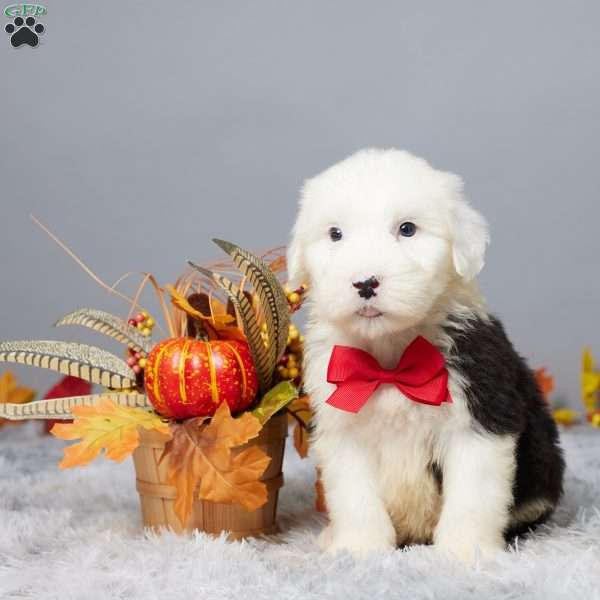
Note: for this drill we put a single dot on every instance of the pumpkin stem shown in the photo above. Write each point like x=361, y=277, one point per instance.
x=196, y=328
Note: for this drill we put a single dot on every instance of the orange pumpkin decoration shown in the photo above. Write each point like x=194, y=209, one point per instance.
x=185, y=377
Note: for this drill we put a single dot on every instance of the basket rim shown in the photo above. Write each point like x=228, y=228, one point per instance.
x=275, y=428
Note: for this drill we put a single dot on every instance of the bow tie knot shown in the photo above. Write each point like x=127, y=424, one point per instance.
x=387, y=376
x=421, y=375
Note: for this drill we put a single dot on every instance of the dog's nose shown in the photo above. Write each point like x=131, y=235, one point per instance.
x=366, y=288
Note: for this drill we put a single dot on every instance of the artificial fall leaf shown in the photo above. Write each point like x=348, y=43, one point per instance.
x=12, y=393
x=274, y=400
x=590, y=381
x=104, y=426
x=182, y=303
x=544, y=382
x=201, y=462
x=300, y=414
x=225, y=431
x=240, y=483
x=218, y=326
x=278, y=265
x=565, y=416
x=587, y=361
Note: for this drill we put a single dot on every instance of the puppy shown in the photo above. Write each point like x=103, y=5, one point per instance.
x=389, y=249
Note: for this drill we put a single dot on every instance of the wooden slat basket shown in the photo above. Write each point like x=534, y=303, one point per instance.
x=157, y=498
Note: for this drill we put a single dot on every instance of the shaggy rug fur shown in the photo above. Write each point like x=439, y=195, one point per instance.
x=76, y=535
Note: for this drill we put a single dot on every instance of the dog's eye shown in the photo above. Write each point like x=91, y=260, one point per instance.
x=407, y=229
x=335, y=233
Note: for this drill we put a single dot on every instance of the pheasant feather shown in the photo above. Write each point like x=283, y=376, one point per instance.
x=78, y=360
x=62, y=408
x=273, y=301
x=107, y=324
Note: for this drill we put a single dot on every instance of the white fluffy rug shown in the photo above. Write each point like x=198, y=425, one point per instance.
x=76, y=535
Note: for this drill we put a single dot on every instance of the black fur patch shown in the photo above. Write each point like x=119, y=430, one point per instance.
x=438, y=476
x=503, y=398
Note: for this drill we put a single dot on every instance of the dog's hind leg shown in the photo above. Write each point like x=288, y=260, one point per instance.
x=540, y=469
x=478, y=476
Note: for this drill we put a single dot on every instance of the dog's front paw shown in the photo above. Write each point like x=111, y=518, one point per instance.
x=359, y=546
x=325, y=538
x=468, y=549
x=359, y=543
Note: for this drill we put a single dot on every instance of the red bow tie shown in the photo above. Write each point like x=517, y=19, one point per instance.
x=421, y=375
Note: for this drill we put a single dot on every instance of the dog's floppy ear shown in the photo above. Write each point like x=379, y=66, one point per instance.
x=296, y=268
x=470, y=239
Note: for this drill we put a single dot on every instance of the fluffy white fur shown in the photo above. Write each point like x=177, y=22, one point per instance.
x=376, y=464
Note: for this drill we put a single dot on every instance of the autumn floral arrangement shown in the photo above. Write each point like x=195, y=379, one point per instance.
x=204, y=409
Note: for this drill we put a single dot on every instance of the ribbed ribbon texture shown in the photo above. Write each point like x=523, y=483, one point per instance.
x=421, y=375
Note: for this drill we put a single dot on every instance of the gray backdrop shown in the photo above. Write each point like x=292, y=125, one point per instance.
x=138, y=130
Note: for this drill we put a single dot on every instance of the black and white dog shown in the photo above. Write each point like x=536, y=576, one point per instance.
x=389, y=248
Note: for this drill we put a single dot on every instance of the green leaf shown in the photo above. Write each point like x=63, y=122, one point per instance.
x=274, y=400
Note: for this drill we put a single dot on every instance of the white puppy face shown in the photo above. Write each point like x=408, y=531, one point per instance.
x=378, y=238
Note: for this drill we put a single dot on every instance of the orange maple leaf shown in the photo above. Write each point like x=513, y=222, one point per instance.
x=301, y=414
x=278, y=265
x=12, y=393
x=544, y=382
x=201, y=462
x=104, y=426
x=217, y=325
